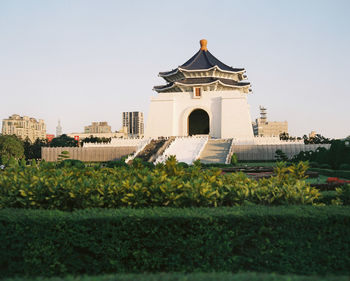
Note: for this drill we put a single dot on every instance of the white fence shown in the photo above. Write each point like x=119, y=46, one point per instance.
x=268, y=152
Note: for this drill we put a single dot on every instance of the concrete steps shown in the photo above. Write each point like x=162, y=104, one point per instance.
x=215, y=151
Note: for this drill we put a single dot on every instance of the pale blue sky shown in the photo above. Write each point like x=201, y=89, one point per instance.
x=82, y=61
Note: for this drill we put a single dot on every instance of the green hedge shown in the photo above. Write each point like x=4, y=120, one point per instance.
x=295, y=240
x=332, y=173
x=191, y=277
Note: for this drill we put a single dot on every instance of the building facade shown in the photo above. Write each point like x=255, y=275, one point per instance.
x=97, y=127
x=24, y=127
x=264, y=128
x=133, y=123
x=202, y=97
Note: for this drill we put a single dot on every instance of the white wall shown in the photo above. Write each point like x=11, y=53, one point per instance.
x=228, y=114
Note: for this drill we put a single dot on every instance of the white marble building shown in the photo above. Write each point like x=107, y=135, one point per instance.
x=202, y=97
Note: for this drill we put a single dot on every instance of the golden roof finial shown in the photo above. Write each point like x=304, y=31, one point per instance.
x=203, y=43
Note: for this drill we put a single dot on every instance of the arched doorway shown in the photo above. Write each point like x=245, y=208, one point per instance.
x=198, y=122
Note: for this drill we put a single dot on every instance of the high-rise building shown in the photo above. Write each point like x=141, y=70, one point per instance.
x=133, y=122
x=58, y=129
x=24, y=127
x=264, y=128
x=97, y=127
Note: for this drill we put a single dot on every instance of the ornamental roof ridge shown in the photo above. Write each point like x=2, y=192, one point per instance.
x=203, y=81
x=200, y=61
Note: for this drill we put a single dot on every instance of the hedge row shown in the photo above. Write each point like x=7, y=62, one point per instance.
x=332, y=173
x=191, y=277
x=168, y=185
x=287, y=240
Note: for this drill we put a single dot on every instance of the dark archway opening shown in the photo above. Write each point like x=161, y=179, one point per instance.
x=198, y=123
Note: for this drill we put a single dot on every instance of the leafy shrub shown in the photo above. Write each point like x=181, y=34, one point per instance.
x=280, y=155
x=325, y=166
x=115, y=164
x=328, y=196
x=343, y=194
x=183, y=165
x=234, y=159
x=332, y=173
x=314, y=164
x=344, y=167
x=294, y=239
x=68, y=163
x=199, y=276
x=73, y=187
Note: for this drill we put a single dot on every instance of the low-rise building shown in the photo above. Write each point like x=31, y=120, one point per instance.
x=97, y=127
x=264, y=128
x=24, y=127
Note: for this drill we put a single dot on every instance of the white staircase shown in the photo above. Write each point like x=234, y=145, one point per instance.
x=186, y=149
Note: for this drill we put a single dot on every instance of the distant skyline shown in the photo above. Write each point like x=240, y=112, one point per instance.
x=83, y=61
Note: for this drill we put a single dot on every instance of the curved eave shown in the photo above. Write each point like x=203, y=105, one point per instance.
x=175, y=71
x=176, y=84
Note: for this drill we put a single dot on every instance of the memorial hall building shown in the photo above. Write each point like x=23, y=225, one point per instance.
x=203, y=96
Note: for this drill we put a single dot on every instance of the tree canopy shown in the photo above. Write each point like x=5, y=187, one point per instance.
x=11, y=146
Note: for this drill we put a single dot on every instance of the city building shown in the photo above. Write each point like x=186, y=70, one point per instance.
x=24, y=127
x=58, y=129
x=97, y=127
x=264, y=128
x=203, y=96
x=133, y=123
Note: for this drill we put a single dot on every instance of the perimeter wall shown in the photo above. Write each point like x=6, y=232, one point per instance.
x=90, y=154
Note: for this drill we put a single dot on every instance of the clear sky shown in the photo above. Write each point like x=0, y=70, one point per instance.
x=81, y=61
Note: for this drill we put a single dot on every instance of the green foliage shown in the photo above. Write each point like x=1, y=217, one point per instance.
x=63, y=141
x=33, y=150
x=234, y=159
x=338, y=154
x=280, y=155
x=199, y=276
x=75, y=187
x=294, y=239
x=92, y=139
x=63, y=155
x=332, y=173
x=325, y=166
x=115, y=164
x=68, y=163
x=10, y=146
x=344, y=167
x=343, y=193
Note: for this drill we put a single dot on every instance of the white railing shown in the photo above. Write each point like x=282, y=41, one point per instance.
x=230, y=153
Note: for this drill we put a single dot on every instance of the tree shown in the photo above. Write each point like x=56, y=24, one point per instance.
x=33, y=150
x=63, y=141
x=11, y=146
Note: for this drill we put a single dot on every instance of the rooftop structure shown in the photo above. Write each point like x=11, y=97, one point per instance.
x=205, y=70
x=24, y=127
